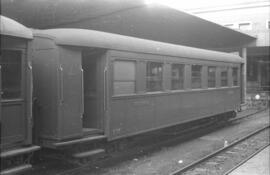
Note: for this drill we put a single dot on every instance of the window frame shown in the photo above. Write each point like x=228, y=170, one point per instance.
x=147, y=77
x=135, y=76
x=201, y=76
x=237, y=76
x=215, y=77
x=181, y=80
x=22, y=73
x=227, y=70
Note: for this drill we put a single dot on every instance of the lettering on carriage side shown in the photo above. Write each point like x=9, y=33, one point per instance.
x=230, y=92
x=142, y=102
x=116, y=131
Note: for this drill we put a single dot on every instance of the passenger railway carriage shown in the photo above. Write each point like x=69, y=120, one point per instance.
x=16, y=96
x=94, y=82
x=90, y=86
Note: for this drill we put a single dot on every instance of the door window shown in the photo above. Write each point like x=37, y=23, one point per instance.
x=11, y=62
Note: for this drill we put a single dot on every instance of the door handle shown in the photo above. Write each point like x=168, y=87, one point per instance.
x=61, y=85
x=82, y=92
x=105, y=89
x=1, y=92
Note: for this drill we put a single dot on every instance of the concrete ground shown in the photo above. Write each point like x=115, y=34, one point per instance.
x=258, y=165
x=168, y=159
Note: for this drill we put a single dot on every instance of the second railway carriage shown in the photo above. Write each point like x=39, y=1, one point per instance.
x=16, y=96
x=91, y=85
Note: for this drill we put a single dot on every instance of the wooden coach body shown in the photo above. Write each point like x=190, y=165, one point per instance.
x=15, y=84
x=124, y=86
x=16, y=87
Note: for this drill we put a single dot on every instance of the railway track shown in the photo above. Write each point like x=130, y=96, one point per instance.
x=168, y=139
x=174, y=137
x=212, y=163
x=245, y=160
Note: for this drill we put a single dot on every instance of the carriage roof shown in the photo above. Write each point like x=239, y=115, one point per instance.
x=97, y=39
x=10, y=27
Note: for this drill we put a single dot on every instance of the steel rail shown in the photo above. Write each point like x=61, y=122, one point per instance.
x=245, y=160
x=193, y=164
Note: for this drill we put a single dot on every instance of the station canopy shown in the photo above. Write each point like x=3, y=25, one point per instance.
x=126, y=17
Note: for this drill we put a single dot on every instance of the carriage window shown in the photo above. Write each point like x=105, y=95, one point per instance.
x=235, y=76
x=124, y=77
x=178, y=71
x=11, y=62
x=211, y=76
x=154, y=78
x=224, y=76
x=196, y=76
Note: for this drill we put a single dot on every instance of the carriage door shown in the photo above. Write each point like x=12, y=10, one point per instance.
x=0, y=102
x=93, y=89
x=12, y=97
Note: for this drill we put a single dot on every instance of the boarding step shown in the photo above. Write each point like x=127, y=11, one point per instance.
x=15, y=170
x=79, y=141
x=18, y=151
x=87, y=154
x=92, y=131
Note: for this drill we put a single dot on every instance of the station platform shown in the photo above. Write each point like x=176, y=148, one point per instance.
x=257, y=165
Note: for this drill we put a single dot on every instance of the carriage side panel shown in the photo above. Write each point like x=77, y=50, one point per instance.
x=142, y=111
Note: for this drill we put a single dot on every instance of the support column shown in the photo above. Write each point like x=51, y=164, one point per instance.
x=244, y=75
x=259, y=74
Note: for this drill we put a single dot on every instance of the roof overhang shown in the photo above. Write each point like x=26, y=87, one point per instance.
x=10, y=27
x=132, y=18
